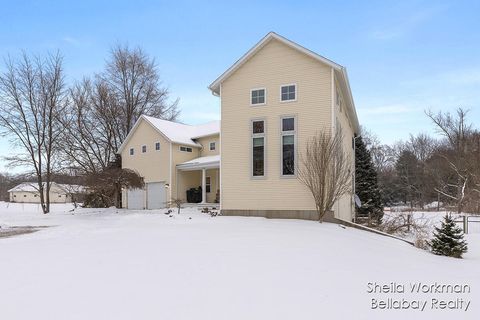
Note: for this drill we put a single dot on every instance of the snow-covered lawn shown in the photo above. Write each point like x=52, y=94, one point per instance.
x=118, y=264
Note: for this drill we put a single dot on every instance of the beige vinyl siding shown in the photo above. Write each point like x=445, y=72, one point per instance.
x=205, y=142
x=34, y=197
x=189, y=180
x=344, y=208
x=152, y=165
x=274, y=65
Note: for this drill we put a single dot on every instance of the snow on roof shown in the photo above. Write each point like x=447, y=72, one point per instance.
x=184, y=133
x=178, y=132
x=33, y=187
x=207, y=161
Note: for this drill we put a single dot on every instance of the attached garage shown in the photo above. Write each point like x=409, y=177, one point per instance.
x=156, y=198
x=135, y=199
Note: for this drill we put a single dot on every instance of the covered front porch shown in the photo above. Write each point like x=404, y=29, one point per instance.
x=198, y=180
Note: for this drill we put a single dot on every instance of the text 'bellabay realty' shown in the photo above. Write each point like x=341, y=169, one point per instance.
x=451, y=299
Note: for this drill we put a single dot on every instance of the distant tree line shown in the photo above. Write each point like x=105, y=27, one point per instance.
x=444, y=168
x=55, y=127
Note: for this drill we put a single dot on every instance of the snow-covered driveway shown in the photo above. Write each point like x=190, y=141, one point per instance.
x=116, y=264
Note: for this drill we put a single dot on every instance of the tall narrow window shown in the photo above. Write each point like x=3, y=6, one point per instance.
x=144, y=148
x=208, y=183
x=288, y=92
x=132, y=151
x=258, y=148
x=288, y=146
x=212, y=146
x=257, y=96
x=157, y=146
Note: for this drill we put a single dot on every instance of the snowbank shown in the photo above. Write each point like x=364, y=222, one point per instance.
x=118, y=264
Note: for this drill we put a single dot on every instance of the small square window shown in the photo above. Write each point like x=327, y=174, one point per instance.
x=258, y=96
x=288, y=124
x=288, y=93
x=144, y=149
x=157, y=146
x=132, y=151
x=258, y=127
x=212, y=146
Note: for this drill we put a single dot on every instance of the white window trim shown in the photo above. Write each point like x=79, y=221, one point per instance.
x=295, y=141
x=258, y=135
x=130, y=153
x=257, y=104
x=214, y=145
x=206, y=184
x=141, y=149
x=286, y=85
x=159, y=146
x=180, y=149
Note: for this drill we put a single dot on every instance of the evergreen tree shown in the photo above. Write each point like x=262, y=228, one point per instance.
x=366, y=184
x=448, y=239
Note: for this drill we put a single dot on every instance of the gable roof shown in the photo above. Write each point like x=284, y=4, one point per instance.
x=33, y=187
x=340, y=71
x=176, y=132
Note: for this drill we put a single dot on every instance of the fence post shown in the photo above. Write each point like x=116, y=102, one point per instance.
x=465, y=224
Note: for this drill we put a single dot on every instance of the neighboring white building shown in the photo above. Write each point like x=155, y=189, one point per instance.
x=27, y=192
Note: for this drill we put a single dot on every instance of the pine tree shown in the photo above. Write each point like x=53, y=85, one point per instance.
x=448, y=239
x=366, y=183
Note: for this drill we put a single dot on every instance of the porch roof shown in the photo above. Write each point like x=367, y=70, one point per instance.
x=200, y=163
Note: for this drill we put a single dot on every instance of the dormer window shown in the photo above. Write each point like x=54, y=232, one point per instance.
x=257, y=96
x=288, y=92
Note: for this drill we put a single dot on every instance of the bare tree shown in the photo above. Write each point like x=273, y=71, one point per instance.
x=90, y=134
x=326, y=170
x=103, y=111
x=456, y=131
x=132, y=77
x=31, y=98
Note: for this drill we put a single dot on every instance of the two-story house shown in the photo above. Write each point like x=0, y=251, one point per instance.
x=273, y=99
x=173, y=158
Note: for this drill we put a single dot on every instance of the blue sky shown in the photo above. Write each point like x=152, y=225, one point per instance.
x=402, y=56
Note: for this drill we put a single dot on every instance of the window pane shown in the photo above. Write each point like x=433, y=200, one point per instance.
x=288, y=150
x=284, y=90
x=258, y=96
x=258, y=127
x=291, y=96
x=288, y=124
x=258, y=142
x=258, y=154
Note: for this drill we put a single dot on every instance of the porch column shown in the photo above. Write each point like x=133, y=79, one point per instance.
x=204, y=185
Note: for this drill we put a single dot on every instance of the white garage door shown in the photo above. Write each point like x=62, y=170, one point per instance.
x=156, y=195
x=135, y=199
